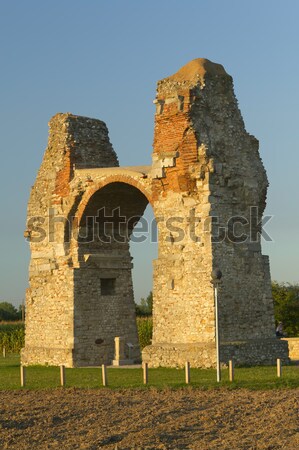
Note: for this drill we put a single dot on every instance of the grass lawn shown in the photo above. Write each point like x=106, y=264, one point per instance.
x=39, y=377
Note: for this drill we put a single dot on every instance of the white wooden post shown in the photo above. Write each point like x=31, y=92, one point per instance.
x=231, y=370
x=145, y=372
x=187, y=372
x=217, y=341
x=23, y=375
x=279, y=367
x=4, y=352
x=104, y=375
x=62, y=375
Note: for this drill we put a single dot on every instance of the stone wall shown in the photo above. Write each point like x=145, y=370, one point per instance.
x=293, y=344
x=244, y=353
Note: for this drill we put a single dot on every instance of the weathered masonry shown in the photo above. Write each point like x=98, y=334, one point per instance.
x=207, y=185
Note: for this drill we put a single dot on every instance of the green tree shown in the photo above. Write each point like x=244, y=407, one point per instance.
x=145, y=308
x=286, y=306
x=8, y=312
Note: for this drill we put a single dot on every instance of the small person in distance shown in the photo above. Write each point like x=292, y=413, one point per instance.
x=279, y=330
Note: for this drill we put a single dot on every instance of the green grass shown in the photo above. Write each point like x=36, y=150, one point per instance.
x=39, y=377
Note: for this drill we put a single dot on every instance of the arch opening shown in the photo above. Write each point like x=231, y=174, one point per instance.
x=104, y=306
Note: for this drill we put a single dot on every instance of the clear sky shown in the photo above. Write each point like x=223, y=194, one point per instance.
x=102, y=59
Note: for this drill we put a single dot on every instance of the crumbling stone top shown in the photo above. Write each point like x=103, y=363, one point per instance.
x=197, y=68
x=195, y=72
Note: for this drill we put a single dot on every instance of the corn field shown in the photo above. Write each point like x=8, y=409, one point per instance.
x=145, y=331
x=12, y=336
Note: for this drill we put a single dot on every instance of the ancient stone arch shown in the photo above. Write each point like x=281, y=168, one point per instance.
x=207, y=187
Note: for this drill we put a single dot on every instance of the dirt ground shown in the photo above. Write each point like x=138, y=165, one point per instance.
x=149, y=419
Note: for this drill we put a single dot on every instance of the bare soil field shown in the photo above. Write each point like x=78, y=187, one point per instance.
x=149, y=419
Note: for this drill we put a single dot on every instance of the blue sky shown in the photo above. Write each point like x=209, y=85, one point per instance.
x=102, y=59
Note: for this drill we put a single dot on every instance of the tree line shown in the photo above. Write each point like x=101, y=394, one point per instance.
x=9, y=313
x=286, y=306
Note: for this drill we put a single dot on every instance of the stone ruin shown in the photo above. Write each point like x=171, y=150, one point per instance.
x=207, y=187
